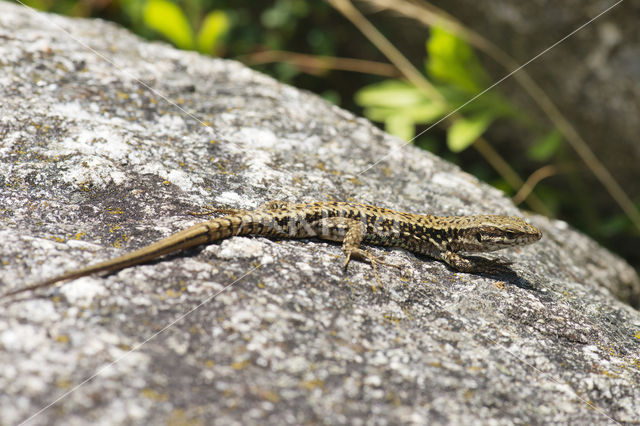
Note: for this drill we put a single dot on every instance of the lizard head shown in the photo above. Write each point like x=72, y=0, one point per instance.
x=492, y=232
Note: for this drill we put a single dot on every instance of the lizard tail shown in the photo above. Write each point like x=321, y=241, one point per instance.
x=202, y=233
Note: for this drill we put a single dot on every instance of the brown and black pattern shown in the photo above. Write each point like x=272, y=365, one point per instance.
x=352, y=224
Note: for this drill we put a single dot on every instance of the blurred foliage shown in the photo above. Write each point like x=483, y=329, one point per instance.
x=458, y=76
x=451, y=60
x=169, y=20
x=400, y=106
x=243, y=29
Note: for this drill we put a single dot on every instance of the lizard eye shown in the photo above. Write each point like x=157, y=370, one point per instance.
x=478, y=237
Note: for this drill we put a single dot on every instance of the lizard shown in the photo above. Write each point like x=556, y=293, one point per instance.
x=439, y=237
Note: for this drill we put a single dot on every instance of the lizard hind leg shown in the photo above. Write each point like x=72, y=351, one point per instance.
x=268, y=206
x=275, y=205
x=208, y=211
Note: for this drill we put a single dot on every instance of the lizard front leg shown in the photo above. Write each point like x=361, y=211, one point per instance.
x=351, y=233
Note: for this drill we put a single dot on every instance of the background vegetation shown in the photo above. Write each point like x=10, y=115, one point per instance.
x=329, y=48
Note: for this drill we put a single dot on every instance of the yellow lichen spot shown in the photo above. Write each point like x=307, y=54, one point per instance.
x=79, y=235
x=213, y=141
x=115, y=211
x=209, y=363
x=435, y=364
x=269, y=395
x=386, y=171
x=152, y=394
x=391, y=318
x=63, y=338
x=63, y=383
x=260, y=285
x=637, y=335
x=354, y=180
x=59, y=239
x=196, y=329
x=468, y=394
x=114, y=228
x=172, y=293
x=123, y=95
x=119, y=242
x=240, y=365
x=166, y=182
x=179, y=418
x=312, y=384
x=320, y=166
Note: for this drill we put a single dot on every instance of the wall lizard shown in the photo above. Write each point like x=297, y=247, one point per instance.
x=440, y=237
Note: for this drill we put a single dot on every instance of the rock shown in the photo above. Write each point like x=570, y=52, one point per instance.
x=108, y=142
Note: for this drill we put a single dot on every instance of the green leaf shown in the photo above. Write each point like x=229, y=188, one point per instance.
x=399, y=105
x=215, y=25
x=389, y=93
x=379, y=114
x=38, y=4
x=426, y=112
x=546, y=146
x=464, y=131
x=168, y=19
x=401, y=126
x=451, y=60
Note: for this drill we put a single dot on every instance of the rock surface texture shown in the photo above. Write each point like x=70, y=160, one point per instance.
x=107, y=142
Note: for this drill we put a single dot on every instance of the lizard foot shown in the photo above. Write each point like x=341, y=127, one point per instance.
x=360, y=254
